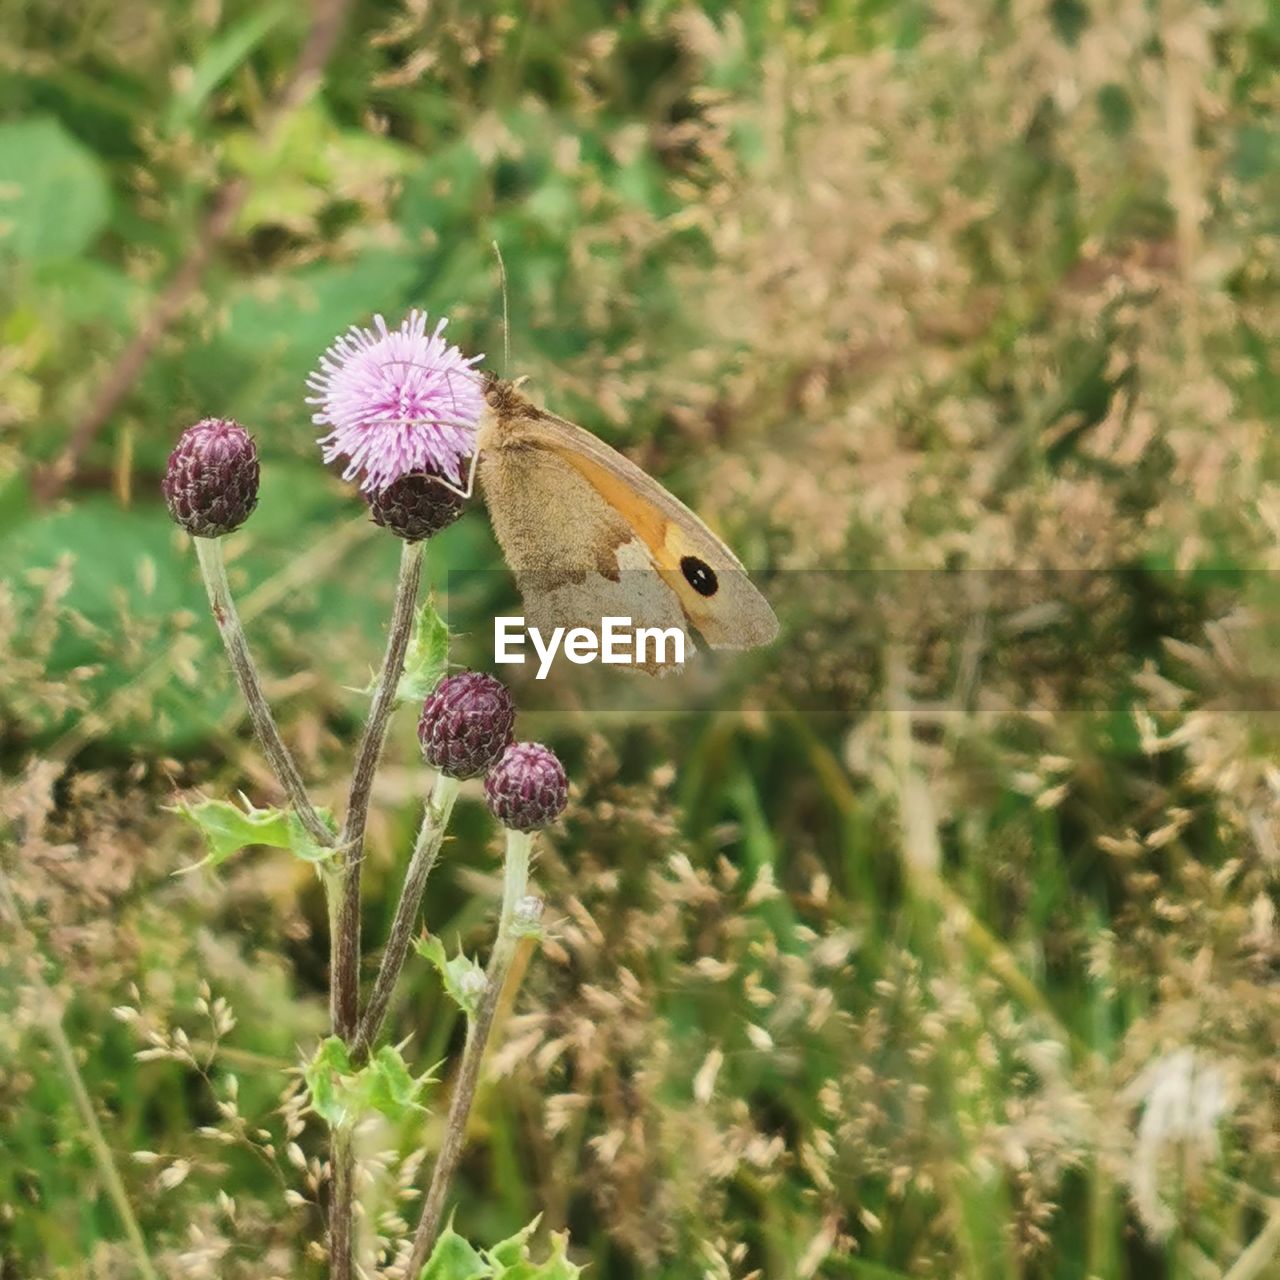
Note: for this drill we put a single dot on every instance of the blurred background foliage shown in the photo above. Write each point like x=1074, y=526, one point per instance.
x=948, y=946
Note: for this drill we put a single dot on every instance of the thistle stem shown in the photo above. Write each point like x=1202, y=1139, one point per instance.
x=344, y=930
x=346, y=956
x=342, y=1204
x=435, y=819
x=214, y=570
x=515, y=884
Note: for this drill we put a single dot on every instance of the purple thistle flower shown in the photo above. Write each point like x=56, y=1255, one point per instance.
x=397, y=401
x=211, y=483
x=466, y=722
x=527, y=788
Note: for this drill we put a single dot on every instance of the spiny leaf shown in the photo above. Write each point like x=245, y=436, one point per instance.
x=556, y=1266
x=427, y=658
x=463, y=978
x=340, y=1094
x=454, y=1259
x=301, y=843
x=506, y=1253
x=227, y=829
x=387, y=1086
x=510, y=1259
x=326, y=1075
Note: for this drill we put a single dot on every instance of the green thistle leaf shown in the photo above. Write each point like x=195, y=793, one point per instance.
x=301, y=844
x=463, y=978
x=326, y=1076
x=514, y=1249
x=227, y=829
x=387, y=1086
x=427, y=658
x=341, y=1095
x=454, y=1259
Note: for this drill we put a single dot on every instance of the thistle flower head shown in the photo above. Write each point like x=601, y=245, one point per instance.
x=527, y=788
x=397, y=401
x=414, y=507
x=211, y=482
x=465, y=724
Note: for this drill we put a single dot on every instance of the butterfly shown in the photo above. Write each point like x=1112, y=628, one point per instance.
x=589, y=535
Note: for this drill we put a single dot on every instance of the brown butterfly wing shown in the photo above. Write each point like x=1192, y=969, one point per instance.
x=575, y=559
x=564, y=504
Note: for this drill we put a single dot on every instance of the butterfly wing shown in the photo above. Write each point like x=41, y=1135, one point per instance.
x=576, y=561
x=565, y=504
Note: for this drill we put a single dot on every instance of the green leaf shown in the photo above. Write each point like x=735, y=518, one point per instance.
x=514, y=1249
x=454, y=1259
x=301, y=844
x=557, y=1265
x=327, y=1076
x=511, y=1260
x=227, y=829
x=340, y=1095
x=54, y=197
x=427, y=658
x=463, y=978
x=387, y=1086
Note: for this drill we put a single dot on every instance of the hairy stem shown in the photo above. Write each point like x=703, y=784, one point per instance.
x=344, y=908
x=515, y=884
x=345, y=979
x=342, y=1200
x=50, y=1009
x=435, y=819
x=214, y=569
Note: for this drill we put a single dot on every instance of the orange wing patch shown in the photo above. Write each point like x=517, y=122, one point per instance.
x=648, y=521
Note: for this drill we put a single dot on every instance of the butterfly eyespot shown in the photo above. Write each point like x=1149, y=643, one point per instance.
x=700, y=575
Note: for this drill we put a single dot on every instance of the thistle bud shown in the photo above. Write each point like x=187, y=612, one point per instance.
x=211, y=483
x=527, y=788
x=415, y=507
x=526, y=919
x=472, y=985
x=466, y=722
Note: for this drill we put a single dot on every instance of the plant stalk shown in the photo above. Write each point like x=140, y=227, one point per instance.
x=344, y=909
x=214, y=570
x=435, y=819
x=345, y=979
x=515, y=885
x=342, y=1199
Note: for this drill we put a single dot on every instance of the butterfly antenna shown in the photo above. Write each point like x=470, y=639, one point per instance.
x=506, y=320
